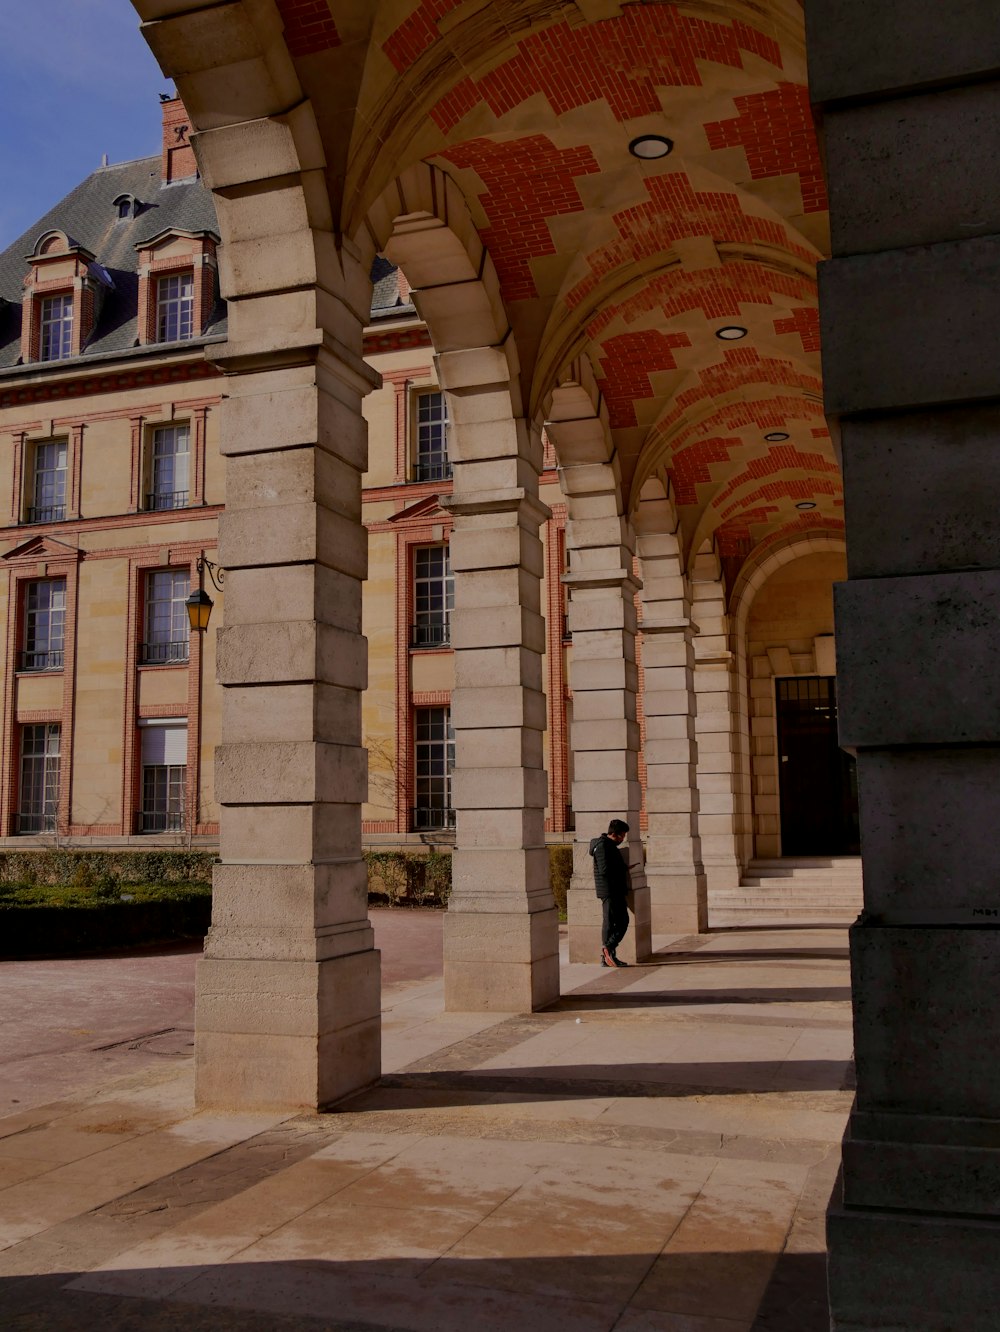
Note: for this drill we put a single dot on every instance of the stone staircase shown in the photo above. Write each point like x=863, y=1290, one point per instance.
x=791, y=891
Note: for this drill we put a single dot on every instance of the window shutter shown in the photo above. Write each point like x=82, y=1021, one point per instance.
x=164, y=743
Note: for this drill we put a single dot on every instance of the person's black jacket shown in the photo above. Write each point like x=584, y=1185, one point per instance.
x=610, y=870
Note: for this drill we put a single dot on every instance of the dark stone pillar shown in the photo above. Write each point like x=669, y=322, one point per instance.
x=910, y=307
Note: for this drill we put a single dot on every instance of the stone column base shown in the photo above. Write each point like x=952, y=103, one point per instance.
x=295, y=1035
x=907, y=1272
x=584, y=911
x=503, y=962
x=678, y=902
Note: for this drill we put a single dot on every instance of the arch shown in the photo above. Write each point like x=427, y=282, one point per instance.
x=754, y=574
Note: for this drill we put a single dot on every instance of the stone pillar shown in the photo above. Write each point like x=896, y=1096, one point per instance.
x=674, y=869
x=605, y=730
x=717, y=759
x=501, y=933
x=288, y=994
x=911, y=345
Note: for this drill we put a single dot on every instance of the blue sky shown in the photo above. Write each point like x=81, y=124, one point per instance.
x=76, y=80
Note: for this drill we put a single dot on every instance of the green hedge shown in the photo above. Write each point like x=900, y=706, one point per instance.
x=411, y=878
x=106, y=868
x=50, y=921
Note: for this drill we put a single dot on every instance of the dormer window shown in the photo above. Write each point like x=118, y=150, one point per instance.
x=175, y=307
x=62, y=298
x=176, y=285
x=56, y=327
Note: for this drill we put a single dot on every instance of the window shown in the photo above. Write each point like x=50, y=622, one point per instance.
x=56, y=327
x=168, y=629
x=433, y=597
x=434, y=758
x=48, y=483
x=164, y=776
x=430, y=461
x=44, y=625
x=169, y=457
x=175, y=307
x=38, y=803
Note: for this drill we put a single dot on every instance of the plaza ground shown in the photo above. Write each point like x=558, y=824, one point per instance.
x=652, y=1154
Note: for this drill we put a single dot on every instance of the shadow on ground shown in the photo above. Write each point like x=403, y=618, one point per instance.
x=432, y=1294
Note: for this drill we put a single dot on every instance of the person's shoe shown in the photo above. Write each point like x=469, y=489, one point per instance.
x=607, y=958
x=616, y=961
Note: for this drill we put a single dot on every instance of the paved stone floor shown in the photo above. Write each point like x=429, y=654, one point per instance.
x=653, y=1154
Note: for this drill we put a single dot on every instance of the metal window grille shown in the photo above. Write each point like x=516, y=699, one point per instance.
x=163, y=788
x=431, y=460
x=56, y=327
x=433, y=597
x=38, y=797
x=48, y=485
x=434, y=759
x=44, y=625
x=175, y=307
x=167, y=625
x=169, y=462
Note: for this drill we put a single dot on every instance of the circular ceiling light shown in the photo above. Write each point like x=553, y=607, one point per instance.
x=805, y=504
x=731, y=333
x=648, y=147
x=776, y=436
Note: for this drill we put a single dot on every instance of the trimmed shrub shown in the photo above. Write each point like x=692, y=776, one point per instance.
x=110, y=866
x=560, y=873
x=39, y=920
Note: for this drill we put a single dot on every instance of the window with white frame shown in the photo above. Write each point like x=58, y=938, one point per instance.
x=169, y=467
x=47, y=485
x=44, y=625
x=433, y=761
x=433, y=597
x=167, y=626
x=175, y=307
x=430, y=453
x=38, y=792
x=55, y=327
x=164, y=775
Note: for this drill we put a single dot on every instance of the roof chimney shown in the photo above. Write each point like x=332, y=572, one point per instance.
x=178, y=155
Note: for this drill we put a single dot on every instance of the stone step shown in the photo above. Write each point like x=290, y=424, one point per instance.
x=804, y=889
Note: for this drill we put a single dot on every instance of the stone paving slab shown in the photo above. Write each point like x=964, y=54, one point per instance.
x=653, y=1154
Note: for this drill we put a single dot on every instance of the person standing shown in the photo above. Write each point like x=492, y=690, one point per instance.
x=611, y=883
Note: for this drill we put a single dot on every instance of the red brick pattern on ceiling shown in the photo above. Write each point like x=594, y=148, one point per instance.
x=622, y=61
x=416, y=33
x=527, y=181
x=689, y=466
x=805, y=322
x=308, y=26
x=740, y=368
x=628, y=361
x=676, y=211
x=776, y=131
x=720, y=293
x=779, y=458
x=735, y=544
x=791, y=488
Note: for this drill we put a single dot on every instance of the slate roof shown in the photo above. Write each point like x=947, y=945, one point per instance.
x=89, y=216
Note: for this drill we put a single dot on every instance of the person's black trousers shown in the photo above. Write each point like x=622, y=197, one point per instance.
x=615, y=921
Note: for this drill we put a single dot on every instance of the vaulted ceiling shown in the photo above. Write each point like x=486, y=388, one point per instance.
x=530, y=107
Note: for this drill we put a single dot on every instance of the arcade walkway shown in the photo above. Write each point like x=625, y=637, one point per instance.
x=654, y=1154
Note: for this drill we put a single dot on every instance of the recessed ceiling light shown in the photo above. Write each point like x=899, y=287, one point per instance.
x=731, y=333
x=805, y=504
x=647, y=147
x=776, y=436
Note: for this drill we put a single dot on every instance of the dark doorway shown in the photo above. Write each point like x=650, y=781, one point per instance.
x=817, y=780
